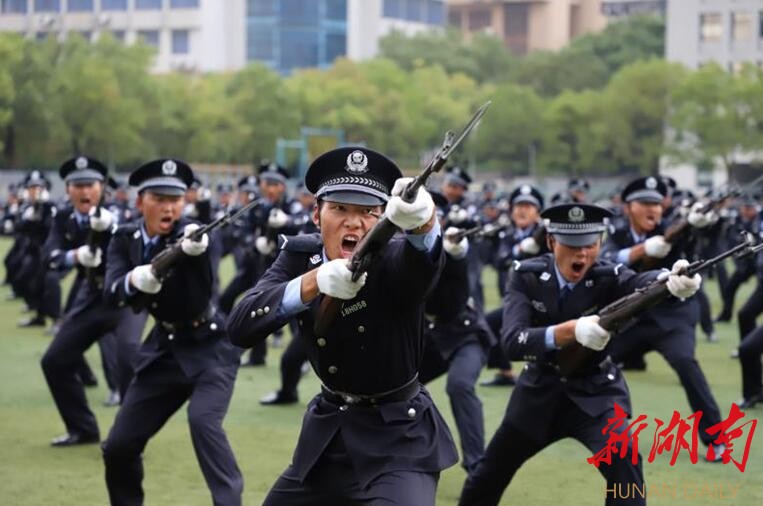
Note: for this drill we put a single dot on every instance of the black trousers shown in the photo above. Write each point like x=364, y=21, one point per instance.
x=750, y=352
x=511, y=447
x=751, y=309
x=244, y=279
x=63, y=359
x=740, y=275
x=292, y=359
x=154, y=395
x=463, y=368
x=497, y=358
x=677, y=347
x=705, y=314
x=331, y=482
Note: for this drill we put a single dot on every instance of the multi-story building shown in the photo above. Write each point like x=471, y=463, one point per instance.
x=189, y=35
x=528, y=25
x=729, y=32
x=623, y=8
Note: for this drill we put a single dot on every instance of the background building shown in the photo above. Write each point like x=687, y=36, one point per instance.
x=724, y=31
x=528, y=25
x=614, y=9
x=189, y=35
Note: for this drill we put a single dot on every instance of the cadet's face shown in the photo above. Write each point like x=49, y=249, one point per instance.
x=33, y=193
x=343, y=226
x=579, y=196
x=524, y=214
x=644, y=216
x=748, y=212
x=271, y=190
x=573, y=263
x=306, y=199
x=121, y=196
x=160, y=212
x=191, y=195
x=453, y=192
x=224, y=199
x=84, y=196
x=244, y=198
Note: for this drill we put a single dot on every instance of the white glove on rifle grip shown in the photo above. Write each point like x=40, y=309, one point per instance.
x=529, y=246
x=590, y=334
x=335, y=279
x=103, y=222
x=142, y=278
x=409, y=216
x=698, y=219
x=682, y=286
x=190, y=247
x=457, y=215
x=87, y=258
x=657, y=247
x=456, y=250
x=264, y=245
x=277, y=218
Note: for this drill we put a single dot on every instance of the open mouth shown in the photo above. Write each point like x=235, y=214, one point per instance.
x=349, y=243
x=577, y=267
x=84, y=201
x=165, y=222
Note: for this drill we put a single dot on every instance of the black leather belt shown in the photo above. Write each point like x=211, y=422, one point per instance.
x=403, y=393
x=588, y=370
x=200, y=320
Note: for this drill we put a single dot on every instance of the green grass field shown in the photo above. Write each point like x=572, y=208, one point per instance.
x=33, y=473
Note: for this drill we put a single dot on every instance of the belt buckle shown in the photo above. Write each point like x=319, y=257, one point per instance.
x=350, y=399
x=168, y=326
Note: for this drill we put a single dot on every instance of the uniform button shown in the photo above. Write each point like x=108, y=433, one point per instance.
x=253, y=314
x=154, y=304
x=411, y=413
x=300, y=322
x=563, y=380
x=526, y=367
x=361, y=329
x=213, y=326
x=121, y=304
x=431, y=326
x=332, y=369
x=343, y=408
x=467, y=322
x=267, y=309
x=260, y=312
x=611, y=377
x=321, y=342
x=170, y=336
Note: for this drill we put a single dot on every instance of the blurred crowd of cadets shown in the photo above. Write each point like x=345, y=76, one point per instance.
x=599, y=106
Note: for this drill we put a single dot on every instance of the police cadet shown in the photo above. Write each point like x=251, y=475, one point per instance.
x=750, y=352
x=186, y=356
x=542, y=309
x=457, y=343
x=373, y=432
x=31, y=280
x=667, y=330
x=79, y=238
x=577, y=190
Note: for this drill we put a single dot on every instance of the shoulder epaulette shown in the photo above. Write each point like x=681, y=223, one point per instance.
x=302, y=243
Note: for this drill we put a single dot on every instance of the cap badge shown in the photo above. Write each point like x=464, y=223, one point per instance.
x=576, y=215
x=272, y=167
x=525, y=190
x=651, y=183
x=35, y=174
x=357, y=162
x=169, y=168
x=81, y=163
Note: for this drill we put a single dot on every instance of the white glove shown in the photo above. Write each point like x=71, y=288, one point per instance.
x=87, y=258
x=205, y=194
x=699, y=219
x=277, y=218
x=8, y=226
x=657, y=247
x=409, y=216
x=529, y=246
x=456, y=250
x=457, y=215
x=191, y=247
x=44, y=195
x=264, y=246
x=103, y=222
x=590, y=334
x=28, y=214
x=142, y=278
x=335, y=279
x=681, y=286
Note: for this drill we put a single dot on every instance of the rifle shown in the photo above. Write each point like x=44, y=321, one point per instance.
x=612, y=317
x=480, y=231
x=93, y=236
x=383, y=231
x=162, y=263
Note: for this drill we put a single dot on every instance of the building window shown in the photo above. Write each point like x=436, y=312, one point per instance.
x=336, y=46
x=114, y=5
x=148, y=4
x=80, y=5
x=300, y=13
x=760, y=25
x=262, y=7
x=299, y=49
x=741, y=26
x=413, y=10
x=47, y=6
x=260, y=43
x=454, y=17
x=86, y=35
x=13, y=6
x=479, y=19
x=119, y=35
x=180, y=42
x=435, y=12
x=150, y=37
x=41, y=36
x=184, y=4
x=710, y=27
x=392, y=9
x=336, y=10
